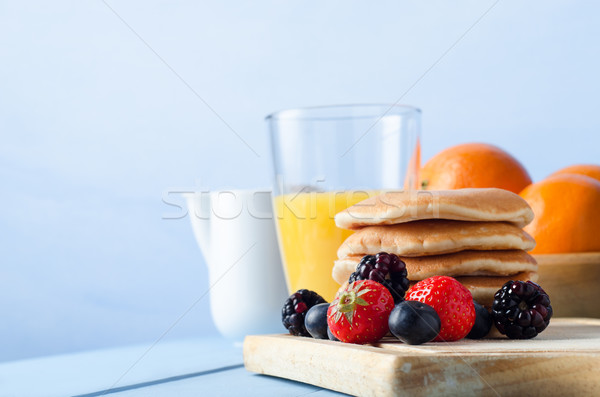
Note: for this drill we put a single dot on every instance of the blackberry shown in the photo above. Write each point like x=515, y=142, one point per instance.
x=295, y=308
x=386, y=269
x=521, y=310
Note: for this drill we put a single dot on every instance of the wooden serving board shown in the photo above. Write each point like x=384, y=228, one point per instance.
x=563, y=360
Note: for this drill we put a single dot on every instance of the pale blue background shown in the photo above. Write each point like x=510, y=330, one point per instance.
x=96, y=130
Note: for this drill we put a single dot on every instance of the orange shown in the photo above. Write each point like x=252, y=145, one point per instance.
x=474, y=165
x=591, y=170
x=567, y=214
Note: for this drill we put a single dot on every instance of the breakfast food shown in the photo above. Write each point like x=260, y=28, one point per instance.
x=434, y=237
x=483, y=250
x=315, y=321
x=295, y=308
x=331, y=336
x=483, y=323
x=384, y=268
x=452, y=302
x=567, y=218
x=442, y=274
x=463, y=263
x=483, y=287
x=360, y=312
x=414, y=322
x=438, y=309
x=475, y=165
x=392, y=208
x=521, y=310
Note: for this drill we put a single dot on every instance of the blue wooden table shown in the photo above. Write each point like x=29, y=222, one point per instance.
x=197, y=367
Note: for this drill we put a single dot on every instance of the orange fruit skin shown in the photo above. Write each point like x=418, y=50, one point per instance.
x=474, y=165
x=567, y=214
x=591, y=170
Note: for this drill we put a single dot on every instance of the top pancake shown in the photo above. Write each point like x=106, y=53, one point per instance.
x=391, y=208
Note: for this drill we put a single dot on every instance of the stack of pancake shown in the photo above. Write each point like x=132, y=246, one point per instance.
x=473, y=235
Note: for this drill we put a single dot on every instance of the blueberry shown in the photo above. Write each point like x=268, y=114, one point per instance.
x=331, y=335
x=316, y=321
x=483, y=322
x=414, y=322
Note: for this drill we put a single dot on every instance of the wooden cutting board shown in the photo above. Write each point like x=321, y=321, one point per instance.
x=563, y=360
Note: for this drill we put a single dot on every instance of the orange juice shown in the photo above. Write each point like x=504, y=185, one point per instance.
x=309, y=238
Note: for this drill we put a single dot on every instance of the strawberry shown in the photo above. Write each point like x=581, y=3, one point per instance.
x=452, y=302
x=360, y=312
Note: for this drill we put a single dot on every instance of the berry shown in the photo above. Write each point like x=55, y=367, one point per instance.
x=295, y=308
x=414, y=322
x=386, y=269
x=452, y=302
x=360, y=312
x=521, y=310
x=315, y=321
x=331, y=336
x=483, y=322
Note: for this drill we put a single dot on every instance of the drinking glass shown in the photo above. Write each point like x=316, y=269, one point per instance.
x=325, y=160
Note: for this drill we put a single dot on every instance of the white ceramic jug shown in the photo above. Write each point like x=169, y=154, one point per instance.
x=235, y=230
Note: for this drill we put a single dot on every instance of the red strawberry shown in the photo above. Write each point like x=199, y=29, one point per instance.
x=452, y=302
x=360, y=312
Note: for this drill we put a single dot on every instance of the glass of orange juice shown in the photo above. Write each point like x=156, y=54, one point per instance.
x=325, y=160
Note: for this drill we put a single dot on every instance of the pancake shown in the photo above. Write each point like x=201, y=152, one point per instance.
x=464, y=263
x=434, y=237
x=483, y=288
x=391, y=208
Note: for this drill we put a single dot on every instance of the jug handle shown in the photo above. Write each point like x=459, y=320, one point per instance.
x=199, y=212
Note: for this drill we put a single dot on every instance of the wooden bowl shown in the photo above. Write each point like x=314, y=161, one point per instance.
x=573, y=283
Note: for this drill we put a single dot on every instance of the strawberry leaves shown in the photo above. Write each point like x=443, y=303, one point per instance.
x=347, y=301
x=360, y=311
